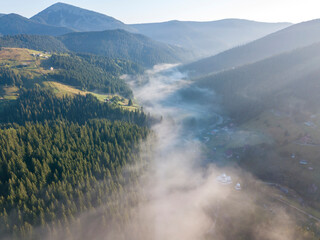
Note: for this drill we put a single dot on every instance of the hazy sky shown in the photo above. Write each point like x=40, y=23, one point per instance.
x=135, y=11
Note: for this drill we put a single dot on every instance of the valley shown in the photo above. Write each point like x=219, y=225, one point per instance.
x=221, y=145
x=206, y=130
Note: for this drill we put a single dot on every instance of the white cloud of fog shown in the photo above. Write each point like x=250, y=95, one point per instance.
x=181, y=198
x=185, y=201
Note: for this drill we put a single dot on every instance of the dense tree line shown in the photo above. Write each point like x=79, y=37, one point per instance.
x=77, y=71
x=53, y=171
x=39, y=105
x=9, y=77
x=113, y=65
x=60, y=157
x=35, y=42
x=124, y=45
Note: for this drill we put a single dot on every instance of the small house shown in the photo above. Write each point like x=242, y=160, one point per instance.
x=224, y=179
x=238, y=187
x=229, y=153
x=309, y=124
x=303, y=162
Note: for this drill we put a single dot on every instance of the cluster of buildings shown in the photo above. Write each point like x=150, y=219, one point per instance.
x=224, y=179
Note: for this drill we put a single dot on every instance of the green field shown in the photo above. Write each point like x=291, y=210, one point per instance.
x=63, y=89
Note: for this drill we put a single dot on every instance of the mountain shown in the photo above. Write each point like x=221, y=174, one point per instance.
x=277, y=99
x=124, y=45
x=208, y=38
x=298, y=35
x=35, y=42
x=78, y=19
x=287, y=80
x=203, y=38
x=12, y=24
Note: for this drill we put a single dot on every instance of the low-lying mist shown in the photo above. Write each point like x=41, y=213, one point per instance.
x=180, y=195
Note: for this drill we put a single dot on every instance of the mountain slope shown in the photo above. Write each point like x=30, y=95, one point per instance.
x=248, y=90
x=208, y=38
x=12, y=24
x=124, y=45
x=78, y=19
x=35, y=42
x=298, y=35
x=277, y=98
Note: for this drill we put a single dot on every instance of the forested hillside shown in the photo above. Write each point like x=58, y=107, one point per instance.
x=84, y=73
x=102, y=75
x=288, y=39
x=13, y=24
x=53, y=171
x=65, y=157
x=36, y=42
x=61, y=154
x=208, y=38
x=277, y=99
x=114, y=44
x=248, y=90
x=9, y=77
x=39, y=105
x=125, y=45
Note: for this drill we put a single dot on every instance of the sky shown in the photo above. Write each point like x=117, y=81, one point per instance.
x=139, y=11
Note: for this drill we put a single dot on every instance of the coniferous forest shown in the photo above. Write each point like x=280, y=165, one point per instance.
x=89, y=73
x=61, y=157
x=187, y=127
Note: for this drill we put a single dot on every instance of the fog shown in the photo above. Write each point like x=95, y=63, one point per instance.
x=184, y=199
x=181, y=196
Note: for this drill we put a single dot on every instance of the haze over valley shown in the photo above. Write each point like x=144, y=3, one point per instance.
x=169, y=130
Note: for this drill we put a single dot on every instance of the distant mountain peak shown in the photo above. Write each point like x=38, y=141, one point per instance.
x=68, y=7
x=79, y=19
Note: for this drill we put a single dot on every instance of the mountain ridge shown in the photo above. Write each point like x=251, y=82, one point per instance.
x=262, y=84
x=12, y=24
x=295, y=36
x=124, y=45
x=208, y=38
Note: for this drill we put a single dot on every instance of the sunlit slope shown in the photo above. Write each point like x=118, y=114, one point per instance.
x=65, y=74
x=288, y=39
